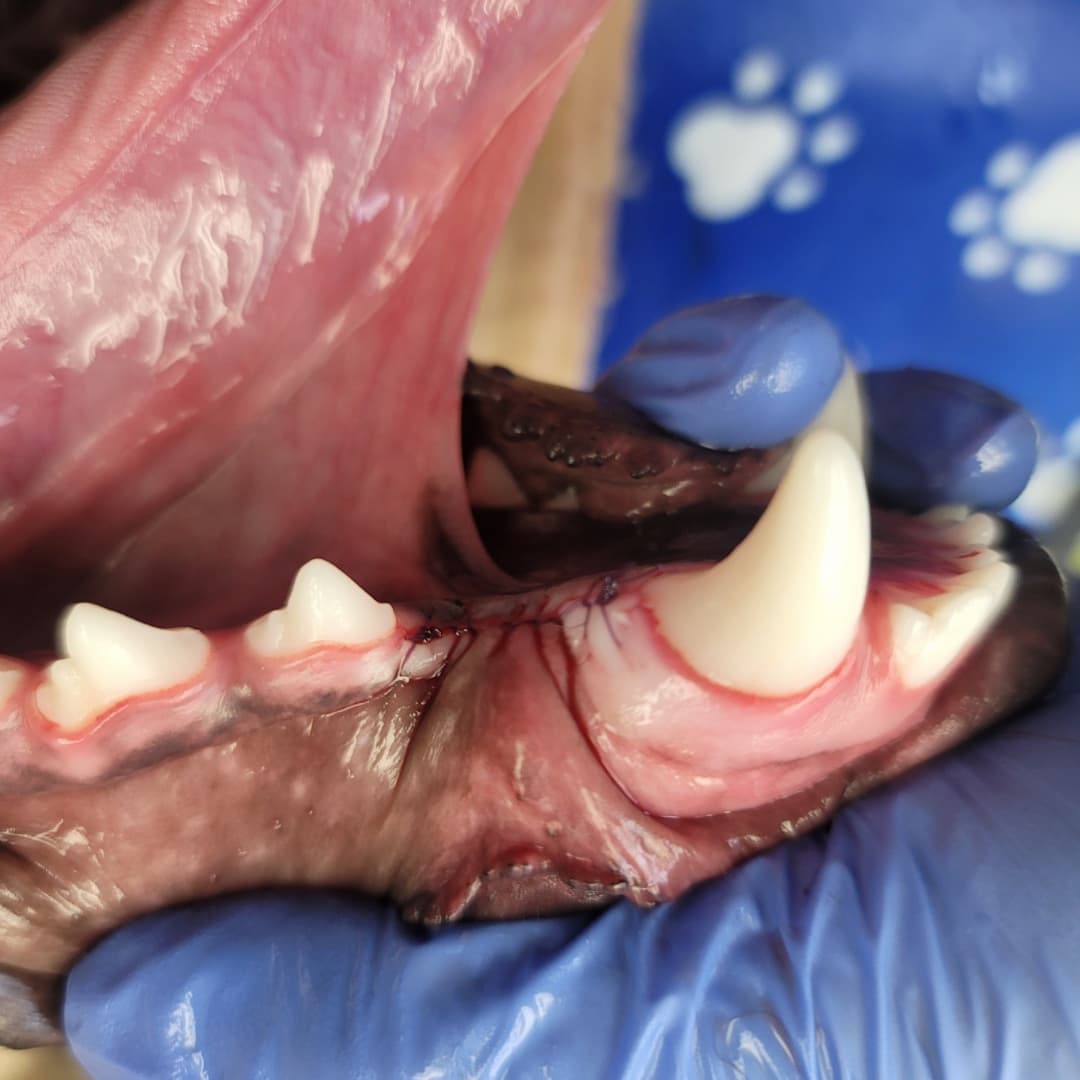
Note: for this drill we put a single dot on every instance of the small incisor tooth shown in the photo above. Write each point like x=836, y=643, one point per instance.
x=10, y=677
x=782, y=610
x=109, y=658
x=977, y=530
x=325, y=607
x=931, y=633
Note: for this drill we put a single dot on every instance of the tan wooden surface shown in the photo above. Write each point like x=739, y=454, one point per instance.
x=50, y=1064
x=539, y=313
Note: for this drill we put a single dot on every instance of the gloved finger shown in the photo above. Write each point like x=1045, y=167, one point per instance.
x=753, y=371
x=930, y=932
x=750, y=371
x=281, y=985
x=939, y=438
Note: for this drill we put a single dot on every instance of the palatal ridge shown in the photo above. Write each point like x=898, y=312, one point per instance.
x=774, y=619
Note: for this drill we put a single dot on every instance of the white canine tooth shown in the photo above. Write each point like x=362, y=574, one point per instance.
x=844, y=413
x=997, y=577
x=65, y=697
x=109, y=658
x=782, y=610
x=325, y=606
x=491, y=484
x=930, y=633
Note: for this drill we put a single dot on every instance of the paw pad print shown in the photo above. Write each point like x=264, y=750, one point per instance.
x=1025, y=220
x=1050, y=504
x=761, y=144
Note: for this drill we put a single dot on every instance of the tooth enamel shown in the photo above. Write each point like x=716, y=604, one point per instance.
x=567, y=499
x=978, y=530
x=782, y=610
x=325, y=606
x=10, y=677
x=109, y=658
x=844, y=413
x=930, y=633
x=946, y=514
x=491, y=485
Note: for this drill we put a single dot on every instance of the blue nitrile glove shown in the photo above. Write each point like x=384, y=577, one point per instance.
x=755, y=370
x=932, y=931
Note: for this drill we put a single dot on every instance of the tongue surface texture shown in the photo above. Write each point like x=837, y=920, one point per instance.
x=240, y=247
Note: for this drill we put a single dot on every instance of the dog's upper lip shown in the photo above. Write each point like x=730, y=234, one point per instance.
x=205, y=245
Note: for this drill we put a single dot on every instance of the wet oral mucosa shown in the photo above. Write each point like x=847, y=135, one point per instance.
x=543, y=747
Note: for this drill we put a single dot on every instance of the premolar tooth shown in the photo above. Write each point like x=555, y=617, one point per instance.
x=782, y=610
x=960, y=526
x=109, y=658
x=325, y=606
x=930, y=633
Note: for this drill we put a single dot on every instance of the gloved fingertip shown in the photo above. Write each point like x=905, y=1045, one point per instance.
x=940, y=438
x=750, y=371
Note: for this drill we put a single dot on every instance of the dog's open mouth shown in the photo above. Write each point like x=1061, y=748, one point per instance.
x=240, y=250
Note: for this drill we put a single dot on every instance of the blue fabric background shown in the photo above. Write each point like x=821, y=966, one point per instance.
x=936, y=87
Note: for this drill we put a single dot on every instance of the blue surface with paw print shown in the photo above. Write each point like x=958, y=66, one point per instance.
x=911, y=169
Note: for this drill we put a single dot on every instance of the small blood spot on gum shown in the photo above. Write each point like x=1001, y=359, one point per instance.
x=425, y=635
x=609, y=590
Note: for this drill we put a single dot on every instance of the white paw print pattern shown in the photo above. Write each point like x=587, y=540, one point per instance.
x=1055, y=483
x=1025, y=220
x=735, y=153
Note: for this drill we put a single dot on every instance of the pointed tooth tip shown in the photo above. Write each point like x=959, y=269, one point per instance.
x=107, y=657
x=979, y=530
x=319, y=569
x=73, y=623
x=325, y=607
x=63, y=697
x=824, y=448
x=781, y=612
x=844, y=415
x=491, y=485
x=931, y=634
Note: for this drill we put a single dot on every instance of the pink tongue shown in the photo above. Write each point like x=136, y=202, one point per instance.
x=241, y=244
